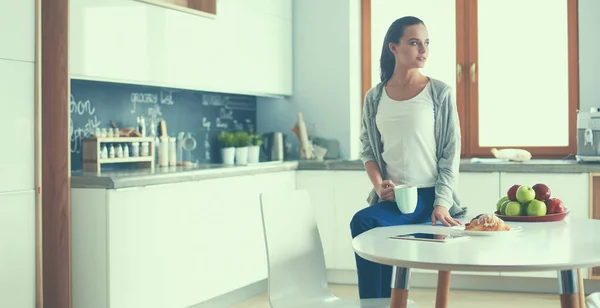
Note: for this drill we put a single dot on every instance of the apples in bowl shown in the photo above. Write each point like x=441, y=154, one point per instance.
x=530, y=203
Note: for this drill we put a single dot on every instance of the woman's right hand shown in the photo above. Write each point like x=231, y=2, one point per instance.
x=386, y=190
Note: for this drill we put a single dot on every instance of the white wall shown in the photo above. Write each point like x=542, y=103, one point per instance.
x=324, y=81
x=17, y=194
x=326, y=76
x=589, y=54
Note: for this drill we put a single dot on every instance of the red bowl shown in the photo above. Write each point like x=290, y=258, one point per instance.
x=545, y=218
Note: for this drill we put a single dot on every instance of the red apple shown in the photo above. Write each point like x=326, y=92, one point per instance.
x=512, y=192
x=555, y=206
x=542, y=192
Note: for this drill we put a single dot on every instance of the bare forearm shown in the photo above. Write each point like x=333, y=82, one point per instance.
x=374, y=173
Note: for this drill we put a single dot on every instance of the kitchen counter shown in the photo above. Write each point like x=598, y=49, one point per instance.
x=136, y=178
x=144, y=177
x=476, y=165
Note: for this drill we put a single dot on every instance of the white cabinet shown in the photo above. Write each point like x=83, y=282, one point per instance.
x=17, y=253
x=350, y=193
x=320, y=185
x=571, y=188
x=246, y=49
x=173, y=245
x=17, y=30
x=17, y=117
x=336, y=196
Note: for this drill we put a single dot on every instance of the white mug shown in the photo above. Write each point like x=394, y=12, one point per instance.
x=406, y=198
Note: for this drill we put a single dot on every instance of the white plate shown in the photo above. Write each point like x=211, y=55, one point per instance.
x=487, y=233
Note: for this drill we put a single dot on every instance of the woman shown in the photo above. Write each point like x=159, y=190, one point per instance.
x=410, y=135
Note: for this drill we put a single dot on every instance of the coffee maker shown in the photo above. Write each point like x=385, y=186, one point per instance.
x=273, y=146
x=588, y=135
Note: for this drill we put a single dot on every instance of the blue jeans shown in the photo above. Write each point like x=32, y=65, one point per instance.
x=374, y=280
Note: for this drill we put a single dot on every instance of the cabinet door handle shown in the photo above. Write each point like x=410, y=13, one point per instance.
x=473, y=70
x=458, y=73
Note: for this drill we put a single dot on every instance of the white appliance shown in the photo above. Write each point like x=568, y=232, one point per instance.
x=588, y=135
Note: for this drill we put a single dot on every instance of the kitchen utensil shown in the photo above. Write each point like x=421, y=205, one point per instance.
x=273, y=146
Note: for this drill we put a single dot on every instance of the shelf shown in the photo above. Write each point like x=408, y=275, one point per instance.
x=123, y=139
x=117, y=160
x=92, y=146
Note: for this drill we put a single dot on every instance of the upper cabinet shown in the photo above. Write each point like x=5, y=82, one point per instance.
x=17, y=33
x=246, y=48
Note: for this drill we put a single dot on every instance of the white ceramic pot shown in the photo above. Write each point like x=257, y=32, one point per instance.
x=253, y=154
x=228, y=155
x=241, y=156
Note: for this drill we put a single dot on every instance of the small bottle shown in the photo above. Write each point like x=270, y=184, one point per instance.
x=104, y=152
x=135, y=149
x=117, y=132
x=119, y=151
x=97, y=132
x=125, y=150
x=103, y=133
x=144, y=150
x=111, y=152
x=109, y=133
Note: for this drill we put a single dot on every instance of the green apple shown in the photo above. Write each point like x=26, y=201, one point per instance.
x=513, y=208
x=525, y=194
x=536, y=208
x=503, y=207
x=499, y=203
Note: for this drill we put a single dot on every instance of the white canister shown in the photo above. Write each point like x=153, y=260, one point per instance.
x=135, y=149
x=144, y=150
x=163, y=152
x=172, y=151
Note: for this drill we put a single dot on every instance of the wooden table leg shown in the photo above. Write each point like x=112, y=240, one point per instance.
x=568, y=283
x=400, y=278
x=581, y=289
x=443, y=289
x=399, y=298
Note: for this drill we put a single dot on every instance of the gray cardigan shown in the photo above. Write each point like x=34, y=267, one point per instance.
x=448, y=144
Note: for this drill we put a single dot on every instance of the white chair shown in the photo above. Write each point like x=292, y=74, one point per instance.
x=592, y=300
x=296, y=265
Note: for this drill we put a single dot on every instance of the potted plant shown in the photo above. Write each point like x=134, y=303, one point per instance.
x=242, y=141
x=254, y=149
x=227, y=143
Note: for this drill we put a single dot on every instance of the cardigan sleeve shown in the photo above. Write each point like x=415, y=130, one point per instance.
x=449, y=162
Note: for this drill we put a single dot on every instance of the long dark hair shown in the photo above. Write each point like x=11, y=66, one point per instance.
x=387, y=62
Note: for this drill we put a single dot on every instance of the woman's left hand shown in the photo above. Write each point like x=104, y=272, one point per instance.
x=441, y=213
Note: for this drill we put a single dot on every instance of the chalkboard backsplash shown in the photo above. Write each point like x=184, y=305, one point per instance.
x=94, y=104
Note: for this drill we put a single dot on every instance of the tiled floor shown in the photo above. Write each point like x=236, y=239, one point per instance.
x=458, y=298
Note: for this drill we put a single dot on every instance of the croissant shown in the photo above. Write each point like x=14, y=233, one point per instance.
x=486, y=222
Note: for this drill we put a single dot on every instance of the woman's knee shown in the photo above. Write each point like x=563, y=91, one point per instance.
x=361, y=222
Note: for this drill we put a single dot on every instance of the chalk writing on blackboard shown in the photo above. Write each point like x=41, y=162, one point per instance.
x=166, y=97
x=220, y=124
x=81, y=109
x=226, y=113
x=250, y=125
x=142, y=98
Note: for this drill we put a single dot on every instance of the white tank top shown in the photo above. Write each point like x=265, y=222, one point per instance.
x=407, y=134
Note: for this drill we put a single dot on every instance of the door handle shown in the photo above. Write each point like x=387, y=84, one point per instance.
x=473, y=71
x=458, y=73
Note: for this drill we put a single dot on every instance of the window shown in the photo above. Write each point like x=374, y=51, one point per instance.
x=201, y=7
x=514, y=70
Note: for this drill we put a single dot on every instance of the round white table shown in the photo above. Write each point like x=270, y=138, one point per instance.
x=564, y=246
